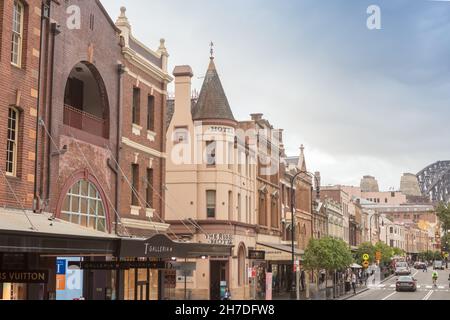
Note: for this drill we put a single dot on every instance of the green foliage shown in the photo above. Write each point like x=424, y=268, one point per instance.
x=443, y=213
x=386, y=252
x=365, y=248
x=430, y=255
x=398, y=252
x=327, y=253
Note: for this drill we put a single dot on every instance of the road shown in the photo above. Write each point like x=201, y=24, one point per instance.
x=425, y=290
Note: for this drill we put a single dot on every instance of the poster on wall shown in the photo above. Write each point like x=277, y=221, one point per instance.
x=69, y=279
x=269, y=286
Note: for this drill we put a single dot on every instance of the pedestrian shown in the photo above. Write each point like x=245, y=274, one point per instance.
x=302, y=279
x=227, y=295
x=354, y=282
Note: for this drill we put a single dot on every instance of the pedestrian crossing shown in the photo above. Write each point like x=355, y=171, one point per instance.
x=420, y=288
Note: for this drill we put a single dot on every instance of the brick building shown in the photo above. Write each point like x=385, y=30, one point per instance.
x=142, y=124
x=20, y=23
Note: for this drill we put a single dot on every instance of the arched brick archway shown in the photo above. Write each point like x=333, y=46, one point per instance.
x=86, y=104
x=86, y=175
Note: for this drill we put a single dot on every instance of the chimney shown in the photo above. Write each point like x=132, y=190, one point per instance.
x=183, y=76
x=256, y=116
x=318, y=182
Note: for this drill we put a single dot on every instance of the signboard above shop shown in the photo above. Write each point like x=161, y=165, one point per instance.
x=256, y=255
x=220, y=238
x=26, y=276
x=161, y=246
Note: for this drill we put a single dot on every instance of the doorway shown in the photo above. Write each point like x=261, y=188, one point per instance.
x=217, y=276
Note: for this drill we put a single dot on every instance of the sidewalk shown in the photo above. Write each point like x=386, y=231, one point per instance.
x=361, y=290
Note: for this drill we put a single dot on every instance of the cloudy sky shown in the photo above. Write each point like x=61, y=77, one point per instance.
x=361, y=101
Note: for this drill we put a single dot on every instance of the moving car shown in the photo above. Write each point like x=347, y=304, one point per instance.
x=406, y=283
x=420, y=265
x=438, y=265
x=402, y=268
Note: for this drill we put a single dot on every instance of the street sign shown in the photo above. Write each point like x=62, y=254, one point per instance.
x=366, y=264
x=366, y=257
x=378, y=255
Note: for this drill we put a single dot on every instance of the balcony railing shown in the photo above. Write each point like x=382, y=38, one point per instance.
x=84, y=121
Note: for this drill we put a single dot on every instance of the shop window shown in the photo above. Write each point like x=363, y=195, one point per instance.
x=83, y=205
x=17, y=33
x=211, y=203
x=12, y=142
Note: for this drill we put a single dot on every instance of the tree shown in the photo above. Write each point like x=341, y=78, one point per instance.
x=386, y=252
x=443, y=213
x=327, y=253
x=398, y=252
x=365, y=248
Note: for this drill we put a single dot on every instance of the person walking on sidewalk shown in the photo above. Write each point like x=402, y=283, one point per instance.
x=354, y=282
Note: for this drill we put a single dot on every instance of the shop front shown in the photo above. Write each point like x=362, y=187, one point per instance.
x=176, y=258
x=37, y=254
x=278, y=264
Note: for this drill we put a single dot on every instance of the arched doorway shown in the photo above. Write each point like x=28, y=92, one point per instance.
x=86, y=105
x=241, y=265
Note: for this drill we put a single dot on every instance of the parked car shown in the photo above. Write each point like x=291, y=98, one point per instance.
x=406, y=283
x=402, y=268
x=438, y=265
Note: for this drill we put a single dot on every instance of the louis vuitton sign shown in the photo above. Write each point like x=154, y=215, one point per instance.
x=28, y=276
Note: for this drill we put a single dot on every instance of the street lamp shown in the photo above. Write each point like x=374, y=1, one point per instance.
x=311, y=175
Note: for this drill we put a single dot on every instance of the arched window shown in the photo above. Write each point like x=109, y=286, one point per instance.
x=83, y=205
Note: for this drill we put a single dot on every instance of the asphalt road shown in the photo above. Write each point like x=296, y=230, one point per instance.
x=425, y=290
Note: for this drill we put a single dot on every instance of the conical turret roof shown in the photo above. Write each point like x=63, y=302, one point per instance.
x=212, y=102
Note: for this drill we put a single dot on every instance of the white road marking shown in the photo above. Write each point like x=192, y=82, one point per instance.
x=381, y=285
x=429, y=287
x=392, y=286
x=389, y=296
x=441, y=287
x=416, y=273
x=428, y=295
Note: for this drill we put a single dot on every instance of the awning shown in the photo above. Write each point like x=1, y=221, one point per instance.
x=161, y=246
x=50, y=236
x=356, y=266
x=279, y=252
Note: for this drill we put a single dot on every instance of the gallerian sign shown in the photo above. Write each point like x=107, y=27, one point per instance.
x=161, y=246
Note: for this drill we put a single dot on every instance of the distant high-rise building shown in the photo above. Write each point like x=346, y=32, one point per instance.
x=369, y=184
x=409, y=185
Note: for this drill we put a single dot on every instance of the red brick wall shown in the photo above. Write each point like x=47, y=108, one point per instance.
x=86, y=151
x=24, y=80
x=127, y=157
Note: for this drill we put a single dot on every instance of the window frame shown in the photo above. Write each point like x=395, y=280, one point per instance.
x=15, y=143
x=134, y=184
x=136, y=106
x=151, y=113
x=17, y=4
x=210, y=206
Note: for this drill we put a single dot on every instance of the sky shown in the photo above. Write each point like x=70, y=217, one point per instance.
x=362, y=102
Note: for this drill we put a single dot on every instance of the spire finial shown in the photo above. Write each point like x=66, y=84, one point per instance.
x=123, y=10
x=211, y=45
